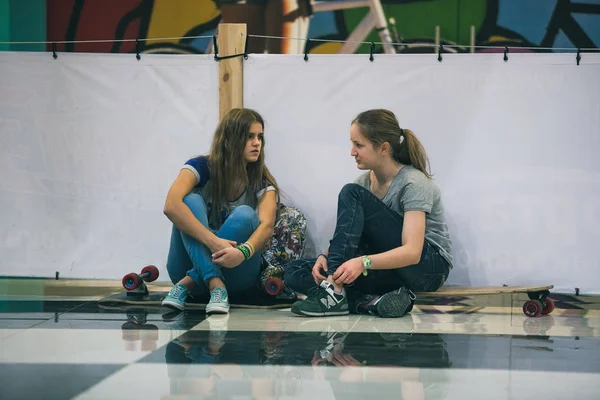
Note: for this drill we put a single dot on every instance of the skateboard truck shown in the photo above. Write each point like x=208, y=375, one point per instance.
x=140, y=290
x=135, y=283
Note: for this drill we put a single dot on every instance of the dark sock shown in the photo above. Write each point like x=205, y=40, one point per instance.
x=365, y=306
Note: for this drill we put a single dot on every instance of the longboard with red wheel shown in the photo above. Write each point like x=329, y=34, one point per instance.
x=135, y=283
x=538, y=304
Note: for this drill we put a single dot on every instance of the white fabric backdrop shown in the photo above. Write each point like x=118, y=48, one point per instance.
x=89, y=145
x=514, y=147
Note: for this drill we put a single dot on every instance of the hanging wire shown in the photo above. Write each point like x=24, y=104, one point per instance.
x=432, y=44
x=451, y=46
x=112, y=40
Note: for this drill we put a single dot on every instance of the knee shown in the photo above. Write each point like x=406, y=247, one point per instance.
x=245, y=215
x=195, y=202
x=351, y=189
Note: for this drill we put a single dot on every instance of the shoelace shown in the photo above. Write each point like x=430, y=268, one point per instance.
x=313, y=291
x=217, y=295
x=177, y=292
x=318, y=289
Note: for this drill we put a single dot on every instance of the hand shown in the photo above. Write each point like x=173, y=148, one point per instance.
x=317, y=360
x=220, y=244
x=345, y=360
x=348, y=271
x=320, y=265
x=229, y=258
x=349, y=374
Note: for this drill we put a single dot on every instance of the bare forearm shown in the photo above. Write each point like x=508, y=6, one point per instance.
x=261, y=236
x=183, y=218
x=399, y=257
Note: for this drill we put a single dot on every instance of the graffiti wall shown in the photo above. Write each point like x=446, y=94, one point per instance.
x=553, y=24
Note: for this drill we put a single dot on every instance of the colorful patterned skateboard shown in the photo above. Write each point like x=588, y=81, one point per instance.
x=286, y=245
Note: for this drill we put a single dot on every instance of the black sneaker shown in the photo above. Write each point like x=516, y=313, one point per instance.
x=394, y=304
x=322, y=301
x=362, y=304
x=335, y=340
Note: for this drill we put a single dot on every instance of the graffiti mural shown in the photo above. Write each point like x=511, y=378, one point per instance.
x=530, y=24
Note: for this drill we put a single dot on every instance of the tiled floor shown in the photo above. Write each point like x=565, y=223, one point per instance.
x=69, y=347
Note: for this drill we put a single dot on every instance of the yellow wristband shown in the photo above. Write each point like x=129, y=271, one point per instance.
x=250, y=247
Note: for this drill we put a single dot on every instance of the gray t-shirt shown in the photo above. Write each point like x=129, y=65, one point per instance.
x=412, y=190
x=199, y=166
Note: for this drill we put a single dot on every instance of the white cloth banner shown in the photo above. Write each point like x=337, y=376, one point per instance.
x=89, y=145
x=514, y=147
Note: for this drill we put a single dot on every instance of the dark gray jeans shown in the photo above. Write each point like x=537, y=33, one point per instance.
x=365, y=225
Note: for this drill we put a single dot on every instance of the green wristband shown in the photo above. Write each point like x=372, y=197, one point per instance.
x=245, y=251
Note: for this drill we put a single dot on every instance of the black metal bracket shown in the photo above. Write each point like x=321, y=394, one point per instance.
x=137, y=49
x=306, y=50
x=141, y=290
x=219, y=58
x=216, y=47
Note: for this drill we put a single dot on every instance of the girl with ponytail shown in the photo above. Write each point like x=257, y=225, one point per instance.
x=391, y=237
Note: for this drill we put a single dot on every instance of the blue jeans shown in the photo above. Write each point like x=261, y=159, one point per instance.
x=365, y=225
x=189, y=257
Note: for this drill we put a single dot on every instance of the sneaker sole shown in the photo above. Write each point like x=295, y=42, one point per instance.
x=217, y=310
x=321, y=314
x=393, y=306
x=174, y=305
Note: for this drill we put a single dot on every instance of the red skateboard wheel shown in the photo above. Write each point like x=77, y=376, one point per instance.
x=131, y=281
x=532, y=308
x=130, y=331
x=273, y=286
x=153, y=273
x=549, y=306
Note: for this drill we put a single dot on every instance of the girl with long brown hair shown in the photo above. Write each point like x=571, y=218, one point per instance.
x=223, y=208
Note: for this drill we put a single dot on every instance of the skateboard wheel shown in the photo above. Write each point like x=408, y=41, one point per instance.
x=153, y=271
x=532, y=308
x=131, y=281
x=273, y=286
x=149, y=332
x=130, y=331
x=148, y=345
x=130, y=346
x=549, y=306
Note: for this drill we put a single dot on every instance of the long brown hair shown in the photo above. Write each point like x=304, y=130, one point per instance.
x=226, y=160
x=380, y=126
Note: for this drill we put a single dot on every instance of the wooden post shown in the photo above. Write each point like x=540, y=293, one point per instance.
x=231, y=39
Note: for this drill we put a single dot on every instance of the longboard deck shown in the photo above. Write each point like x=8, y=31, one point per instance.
x=154, y=299
x=483, y=290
